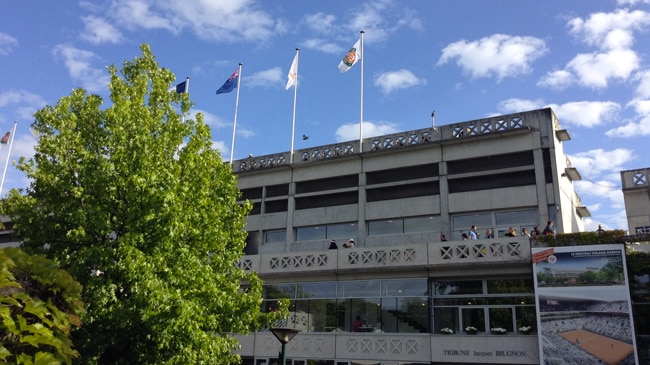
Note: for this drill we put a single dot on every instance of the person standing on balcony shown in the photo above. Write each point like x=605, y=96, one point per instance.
x=511, y=232
x=333, y=245
x=548, y=230
x=535, y=232
x=349, y=244
x=489, y=234
x=473, y=235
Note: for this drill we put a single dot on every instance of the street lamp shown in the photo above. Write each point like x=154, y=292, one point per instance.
x=284, y=335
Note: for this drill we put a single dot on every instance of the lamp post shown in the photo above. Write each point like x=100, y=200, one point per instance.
x=284, y=335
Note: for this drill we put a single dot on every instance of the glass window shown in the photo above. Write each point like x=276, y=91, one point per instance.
x=317, y=290
x=474, y=317
x=507, y=286
x=313, y=315
x=387, y=226
x=300, y=317
x=345, y=230
x=481, y=220
x=365, y=314
x=414, y=312
x=458, y=287
x=526, y=317
x=359, y=289
x=501, y=318
x=446, y=317
x=279, y=291
x=404, y=287
x=421, y=224
x=517, y=217
x=275, y=236
x=511, y=300
x=311, y=233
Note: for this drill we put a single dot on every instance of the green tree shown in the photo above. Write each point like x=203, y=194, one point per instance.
x=39, y=306
x=136, y=204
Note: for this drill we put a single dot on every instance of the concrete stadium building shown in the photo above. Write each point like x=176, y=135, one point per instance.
x=401, y=295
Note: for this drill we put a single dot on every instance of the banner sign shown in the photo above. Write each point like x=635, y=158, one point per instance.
x=584, y=312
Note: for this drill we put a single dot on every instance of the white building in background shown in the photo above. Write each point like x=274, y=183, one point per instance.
x=395, y=195
x=636, y=193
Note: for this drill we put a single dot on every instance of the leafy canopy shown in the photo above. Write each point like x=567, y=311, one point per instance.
x=136, y=204
x=39, y=306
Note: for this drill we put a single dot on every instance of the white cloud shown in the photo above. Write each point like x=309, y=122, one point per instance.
x=586, y=113
x=323, y=45
x=558, y=80
x=321, y=23
x=498, y=55
x=579, y=113
x=596, y=69
x=643, y=89
x=223, y=149
x=141, y=14
x=20, y=97
x=515, y=105
x=605, y=191
x=613, y=34
x=210, y=119
x=594, y=163
x=635, y=127
x=78, y=63
x=601, y=182
x=632, y=2
x=370, y=19
x=350, y=132
x=610, y=31
x=228, y=21
x=395, y=80
x=7, y=43
x=268, y=78
x=380, y=19
x=27, y=103
x=616, y=220
x=98, y=31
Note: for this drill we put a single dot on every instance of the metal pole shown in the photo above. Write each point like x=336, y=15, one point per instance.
x=11, y=143
x=284, y=355
x=234, y=124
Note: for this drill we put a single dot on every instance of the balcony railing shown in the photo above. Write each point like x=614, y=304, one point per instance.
x=490, y=251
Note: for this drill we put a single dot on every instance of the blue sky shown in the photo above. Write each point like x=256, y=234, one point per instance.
x=588, y=60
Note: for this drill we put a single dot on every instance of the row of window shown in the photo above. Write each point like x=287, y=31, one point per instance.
x=460, y=224
x=407, y=305
x=414, y=181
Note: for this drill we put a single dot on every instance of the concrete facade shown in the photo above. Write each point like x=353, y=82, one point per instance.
x=636, y=193
x=395, y=195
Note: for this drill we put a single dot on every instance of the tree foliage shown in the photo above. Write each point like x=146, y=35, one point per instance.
x=136, y=204
x=579, y=238
x=39, y=306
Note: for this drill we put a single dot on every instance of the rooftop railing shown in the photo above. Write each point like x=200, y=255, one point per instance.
x=450, y=132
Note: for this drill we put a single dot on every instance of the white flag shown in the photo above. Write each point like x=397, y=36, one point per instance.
x=293, y=73
x=353, y=56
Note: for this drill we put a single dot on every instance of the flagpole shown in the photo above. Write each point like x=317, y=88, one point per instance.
x=11, y=143
x=293, y=120
x=234, y=125
x=363, y=56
